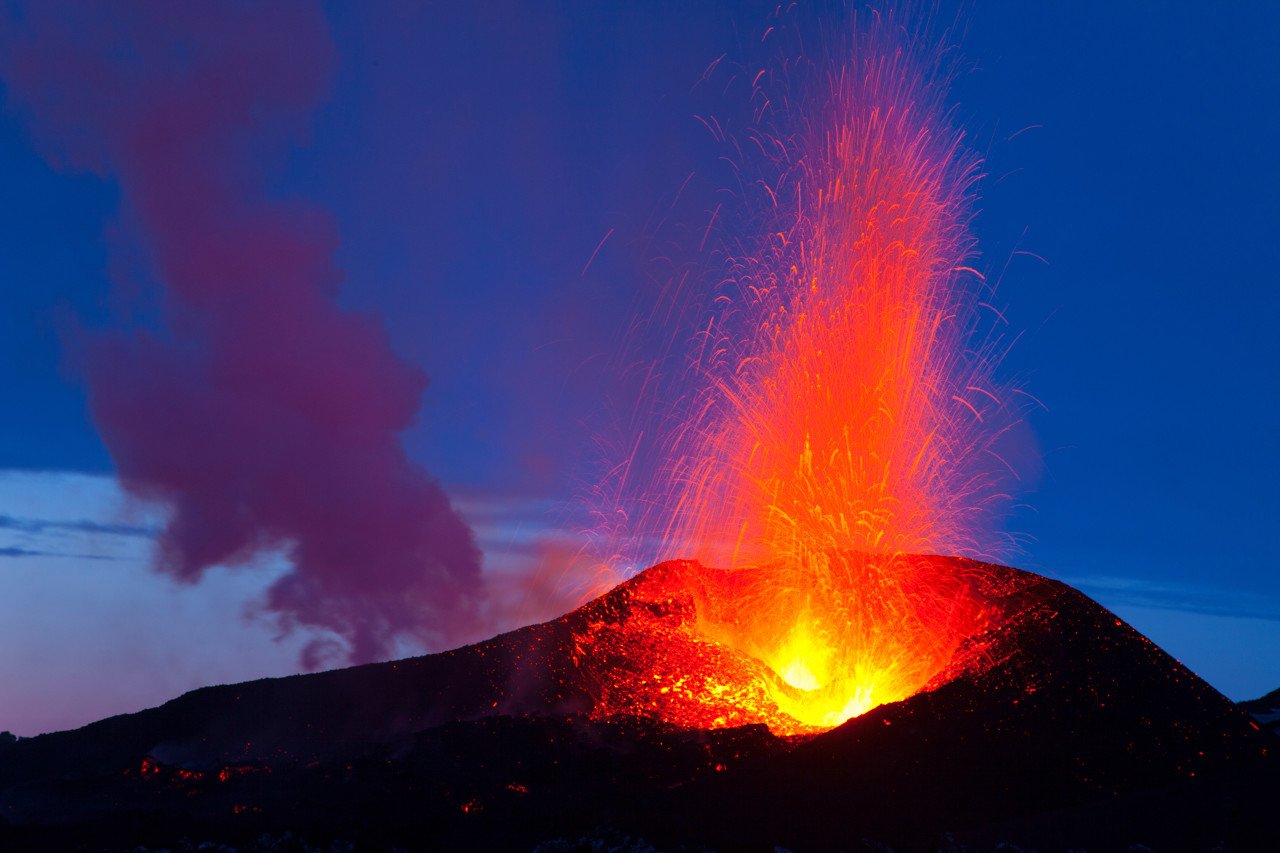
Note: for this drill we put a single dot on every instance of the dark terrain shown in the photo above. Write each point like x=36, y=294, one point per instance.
x=1058, y=727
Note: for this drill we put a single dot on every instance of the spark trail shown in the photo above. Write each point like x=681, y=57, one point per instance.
x=844, y=410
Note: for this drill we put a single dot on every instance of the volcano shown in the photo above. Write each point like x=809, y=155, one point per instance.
x=625, y=723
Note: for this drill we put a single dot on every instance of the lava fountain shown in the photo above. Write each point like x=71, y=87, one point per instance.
x=844, y=412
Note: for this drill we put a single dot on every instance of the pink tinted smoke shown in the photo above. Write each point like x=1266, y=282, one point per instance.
x=260, y=413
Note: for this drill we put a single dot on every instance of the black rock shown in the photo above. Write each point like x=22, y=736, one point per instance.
x=1057, y=727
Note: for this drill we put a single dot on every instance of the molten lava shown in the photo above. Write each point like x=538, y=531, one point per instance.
x=844, y=412
x=668, y=645
x=878, y=633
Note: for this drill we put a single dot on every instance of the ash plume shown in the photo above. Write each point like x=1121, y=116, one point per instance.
x=251, y=405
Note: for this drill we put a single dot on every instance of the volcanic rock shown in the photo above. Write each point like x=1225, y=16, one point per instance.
x=1055, y=725
x=1264, y=709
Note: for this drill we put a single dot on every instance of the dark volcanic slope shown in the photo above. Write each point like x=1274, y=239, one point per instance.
x=1264, y=709
x=1059, y=725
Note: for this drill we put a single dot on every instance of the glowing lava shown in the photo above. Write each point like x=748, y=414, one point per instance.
x=845, y=413
x=842, y=634
x=671, y=644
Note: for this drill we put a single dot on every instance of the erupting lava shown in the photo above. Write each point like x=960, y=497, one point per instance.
x=845, y=413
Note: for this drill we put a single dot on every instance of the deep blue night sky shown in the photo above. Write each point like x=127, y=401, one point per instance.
x=474, y=156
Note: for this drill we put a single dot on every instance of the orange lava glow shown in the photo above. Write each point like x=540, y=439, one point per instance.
x=845, y=412
x=668, y=645
x=872, y=629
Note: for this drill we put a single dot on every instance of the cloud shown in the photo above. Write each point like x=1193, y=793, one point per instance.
x=36, y=525
x=21, y=552
x=1204, y=599
x=9, y=551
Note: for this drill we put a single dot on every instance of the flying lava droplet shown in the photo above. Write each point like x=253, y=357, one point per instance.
x=844, y=412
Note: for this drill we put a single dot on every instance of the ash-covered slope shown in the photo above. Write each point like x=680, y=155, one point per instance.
x=1056, y=725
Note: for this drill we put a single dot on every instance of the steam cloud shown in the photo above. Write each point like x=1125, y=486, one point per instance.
x=257, y=410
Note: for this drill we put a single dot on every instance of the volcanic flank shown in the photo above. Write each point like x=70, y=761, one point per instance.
x=1052, y=723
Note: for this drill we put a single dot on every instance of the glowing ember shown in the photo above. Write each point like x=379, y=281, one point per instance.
x=845, y=415
x=665, y=645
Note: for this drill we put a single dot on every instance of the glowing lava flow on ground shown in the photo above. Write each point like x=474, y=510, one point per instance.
x=845, y=414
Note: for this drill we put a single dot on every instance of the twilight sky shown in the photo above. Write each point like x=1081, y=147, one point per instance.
x=471, y=159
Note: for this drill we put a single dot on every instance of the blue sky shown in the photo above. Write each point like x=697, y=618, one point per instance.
x=474, y=159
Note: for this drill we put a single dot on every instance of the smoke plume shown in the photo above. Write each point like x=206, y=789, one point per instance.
x=258, y=411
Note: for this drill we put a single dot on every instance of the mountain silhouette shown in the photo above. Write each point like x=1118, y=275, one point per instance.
x=1054, y=725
